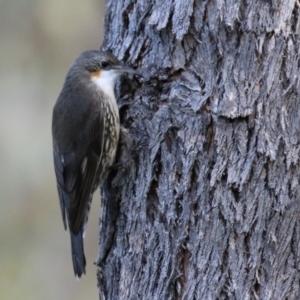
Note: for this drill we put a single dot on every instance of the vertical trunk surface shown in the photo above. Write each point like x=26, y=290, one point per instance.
x=209, y=206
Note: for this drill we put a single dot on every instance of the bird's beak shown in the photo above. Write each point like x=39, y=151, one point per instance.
x=124, y=69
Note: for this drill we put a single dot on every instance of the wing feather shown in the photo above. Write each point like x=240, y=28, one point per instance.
x=76, y=172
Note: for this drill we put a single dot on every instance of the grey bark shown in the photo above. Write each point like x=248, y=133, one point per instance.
x=209, y=206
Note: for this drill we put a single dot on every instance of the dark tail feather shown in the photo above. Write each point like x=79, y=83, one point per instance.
x=78, y=254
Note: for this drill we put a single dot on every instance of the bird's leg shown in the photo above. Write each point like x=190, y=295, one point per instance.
x=127, y=154
x=125, y=158
x=125, y=148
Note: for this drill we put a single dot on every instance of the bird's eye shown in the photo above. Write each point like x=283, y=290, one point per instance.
x=104, y=64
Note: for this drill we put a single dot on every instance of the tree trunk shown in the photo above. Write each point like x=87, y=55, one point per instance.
x=209, y=206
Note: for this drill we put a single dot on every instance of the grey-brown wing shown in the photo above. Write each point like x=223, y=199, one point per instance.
x=76, y=172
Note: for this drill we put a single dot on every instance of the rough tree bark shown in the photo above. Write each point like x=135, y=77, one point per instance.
x=209, y=207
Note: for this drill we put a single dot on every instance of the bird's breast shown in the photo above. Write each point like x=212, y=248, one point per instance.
x=111, y=124
x=111, y=133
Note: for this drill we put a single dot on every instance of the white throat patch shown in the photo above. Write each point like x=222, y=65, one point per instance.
x=106, y=80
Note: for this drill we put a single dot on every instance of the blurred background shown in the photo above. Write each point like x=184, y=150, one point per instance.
x=39, y=39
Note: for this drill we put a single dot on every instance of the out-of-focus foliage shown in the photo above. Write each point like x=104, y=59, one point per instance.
x=39, y=39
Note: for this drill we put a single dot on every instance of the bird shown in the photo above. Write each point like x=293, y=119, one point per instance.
x=85, y=136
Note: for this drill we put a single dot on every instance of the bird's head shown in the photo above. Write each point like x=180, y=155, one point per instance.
x=101, y=67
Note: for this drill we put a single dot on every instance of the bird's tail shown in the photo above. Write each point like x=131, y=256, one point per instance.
x=78, y=254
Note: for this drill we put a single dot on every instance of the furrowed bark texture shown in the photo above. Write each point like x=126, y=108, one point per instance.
x=209, y=208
